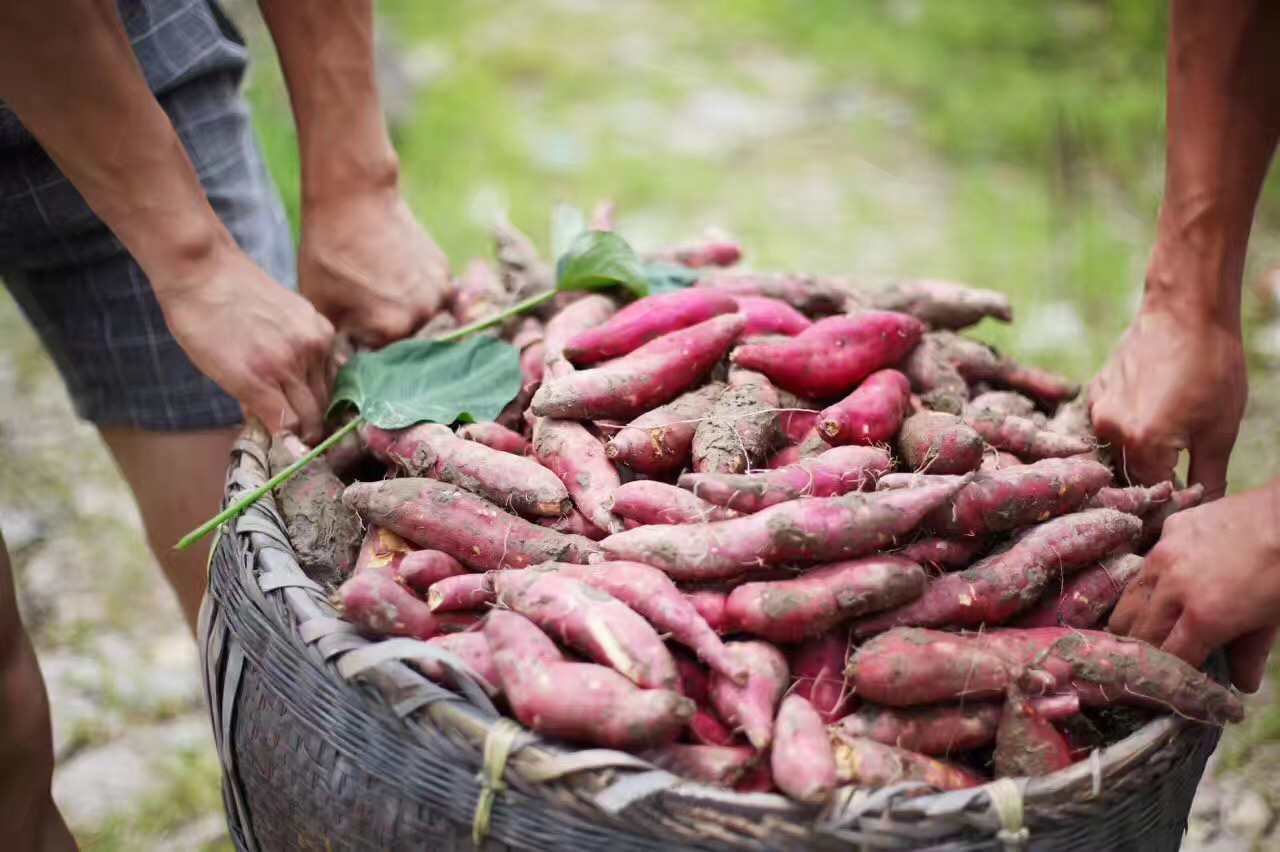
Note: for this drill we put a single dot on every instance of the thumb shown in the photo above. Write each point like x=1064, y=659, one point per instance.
x=1210, y=456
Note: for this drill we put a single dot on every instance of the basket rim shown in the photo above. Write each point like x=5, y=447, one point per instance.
x=537, y=760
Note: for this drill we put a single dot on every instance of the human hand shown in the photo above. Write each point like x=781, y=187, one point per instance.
x=1212, y=580
x=367, y=265
x=1174, y=383
x=264, y=345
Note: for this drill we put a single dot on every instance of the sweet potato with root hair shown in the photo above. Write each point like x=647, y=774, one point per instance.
x=829, y=359
x=995, y=460
x=706, y=729
x=522, y=271
x=834, y=472
x=995, y=589
x=591, y=620
x=471, y=648
x=461, y=593
x=941, y=729
x=1086, y=598
x=975, y=361
x=574, y=523
x=495, y=437
x=1153, y=522
x=709, y=764
x=652, y=594
x=741, y=427
x=770, y=316
x=420, y=569
x=818, y=600
x=1021, y=436
x=477, y=293
x=513, y=482
x=910, y=666
x=801, y=760
x=586, y=313
x=872, y=414
x=650, y=502
x=699, y=255
x=1005, y=402
x=582, y=702
x=934, y=378
x=939, y=443
x=474, y=531
x=807, y=293
x=324, y=533
x=1027, y=744
x=646, y=320
x=1136, y=499
x=1073, y=418
x=659, y=441
x=1104, y=669
x=1044, y=385
x=379, y=605
x=654, y=374
x=867, y=763
x=1016, y=497
x=710, y=605
x=943, y=554
x=796, y=416
x=811, y=444
x=577, y=458
x=810, y=529
x=944, y=304
x=751, y=706
x=817, y=666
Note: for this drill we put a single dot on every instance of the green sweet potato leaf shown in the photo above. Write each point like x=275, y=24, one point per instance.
x=598, y=259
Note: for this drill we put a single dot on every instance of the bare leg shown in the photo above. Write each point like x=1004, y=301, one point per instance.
x=27, y=813
x=177, y=480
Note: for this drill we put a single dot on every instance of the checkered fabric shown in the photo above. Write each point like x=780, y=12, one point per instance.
x=87, y=298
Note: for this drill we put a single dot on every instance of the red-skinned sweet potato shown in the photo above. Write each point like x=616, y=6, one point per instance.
x=867, y=763
x=420, y=569
x=475, y=532
x=770, y=316
x=578, y=459
x=807, y=293
x=811, y=529
x=817, y=666
x=997, y=588
x=943, y=554
x=462, y=593
x=872, y=414
x=471, y=648
x=1006, y=402
x=1022, y=436
x=944, y=304
x=1135, y=499
x=645, y=320
x=495, y=437
x=660, y=441
x=1027, y=744
x=834, y=472
x=1046, y=386
x=831, y=357
x=810, y=445
x=583, y=702
x=651, y=375
x=706, y=729
x=994, y=460
x=586, y=313
x=574, y=523
x=710, y=605
x=815, y=602
x=935, y=378
x=698, y=255
x=650, y=502
x=741, y=427
x=325, y=534
x=1086, y=598
x=725, y=766
x=939, y=443
x=751, y=706
x=801, y=759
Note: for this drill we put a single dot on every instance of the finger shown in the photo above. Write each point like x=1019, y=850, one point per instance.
x=1147, y=465
x=319, y=383
x=1157, y=618
x=269, y=405
x=1133, y=600
x=310, y=420
x=1185, y=640
x=1247, y=658
x=1210, y=456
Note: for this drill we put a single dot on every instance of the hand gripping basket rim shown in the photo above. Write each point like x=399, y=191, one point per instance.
x=269, y=632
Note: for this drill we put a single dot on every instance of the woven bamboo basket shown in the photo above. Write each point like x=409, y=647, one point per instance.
x=329, y=740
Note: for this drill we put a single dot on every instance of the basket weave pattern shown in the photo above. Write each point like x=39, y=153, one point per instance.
x=329, y=740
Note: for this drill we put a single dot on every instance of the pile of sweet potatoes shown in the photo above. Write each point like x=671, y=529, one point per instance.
x=770, y=532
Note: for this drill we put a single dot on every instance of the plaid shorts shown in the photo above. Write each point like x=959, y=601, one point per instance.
x=86, y=297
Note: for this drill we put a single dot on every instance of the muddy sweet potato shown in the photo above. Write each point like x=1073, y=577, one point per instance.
x=867, y=763
x=937, y=381
x=325, y=534
x=461, y=593
x=513, y=482
x=834, y=472
x=801, y=760
x=1044, y=385
x=1021, y=435
x=577, y=459
x=1153, y=522
x=698, y=255
x=1135, y=499
x=1027, y=744
x=994, y=460
x=1086, y=598
x=649, y=376
x=810, y=529
x=939, y=443
x=650, y=502
x=818, y=600
x=811, y=444
x=943, y=554
x=813, y=295
x=420, y=569
x=942, y=729
x=477, y=293
x=595, y=622
x=944, y=304
x=751, y=706
x=828, y=359
x=817, y=666
x=471, y=649
x=872, y=414
x=574, y=523
x=741, y=427
x=724, y=766
x=995, y=589
x=1006, y=402
x=582, y=315
x=645, y=320
x=660, y=441
x=474, y=531
x=495, y=437
x=583, y=702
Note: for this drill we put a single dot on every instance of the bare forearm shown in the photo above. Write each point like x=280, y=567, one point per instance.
x=67, y=70
x=326, y=51
x=1223, y=124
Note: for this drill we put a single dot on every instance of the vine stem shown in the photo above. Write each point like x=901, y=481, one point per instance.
x=253, y=496
x=494, y=319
